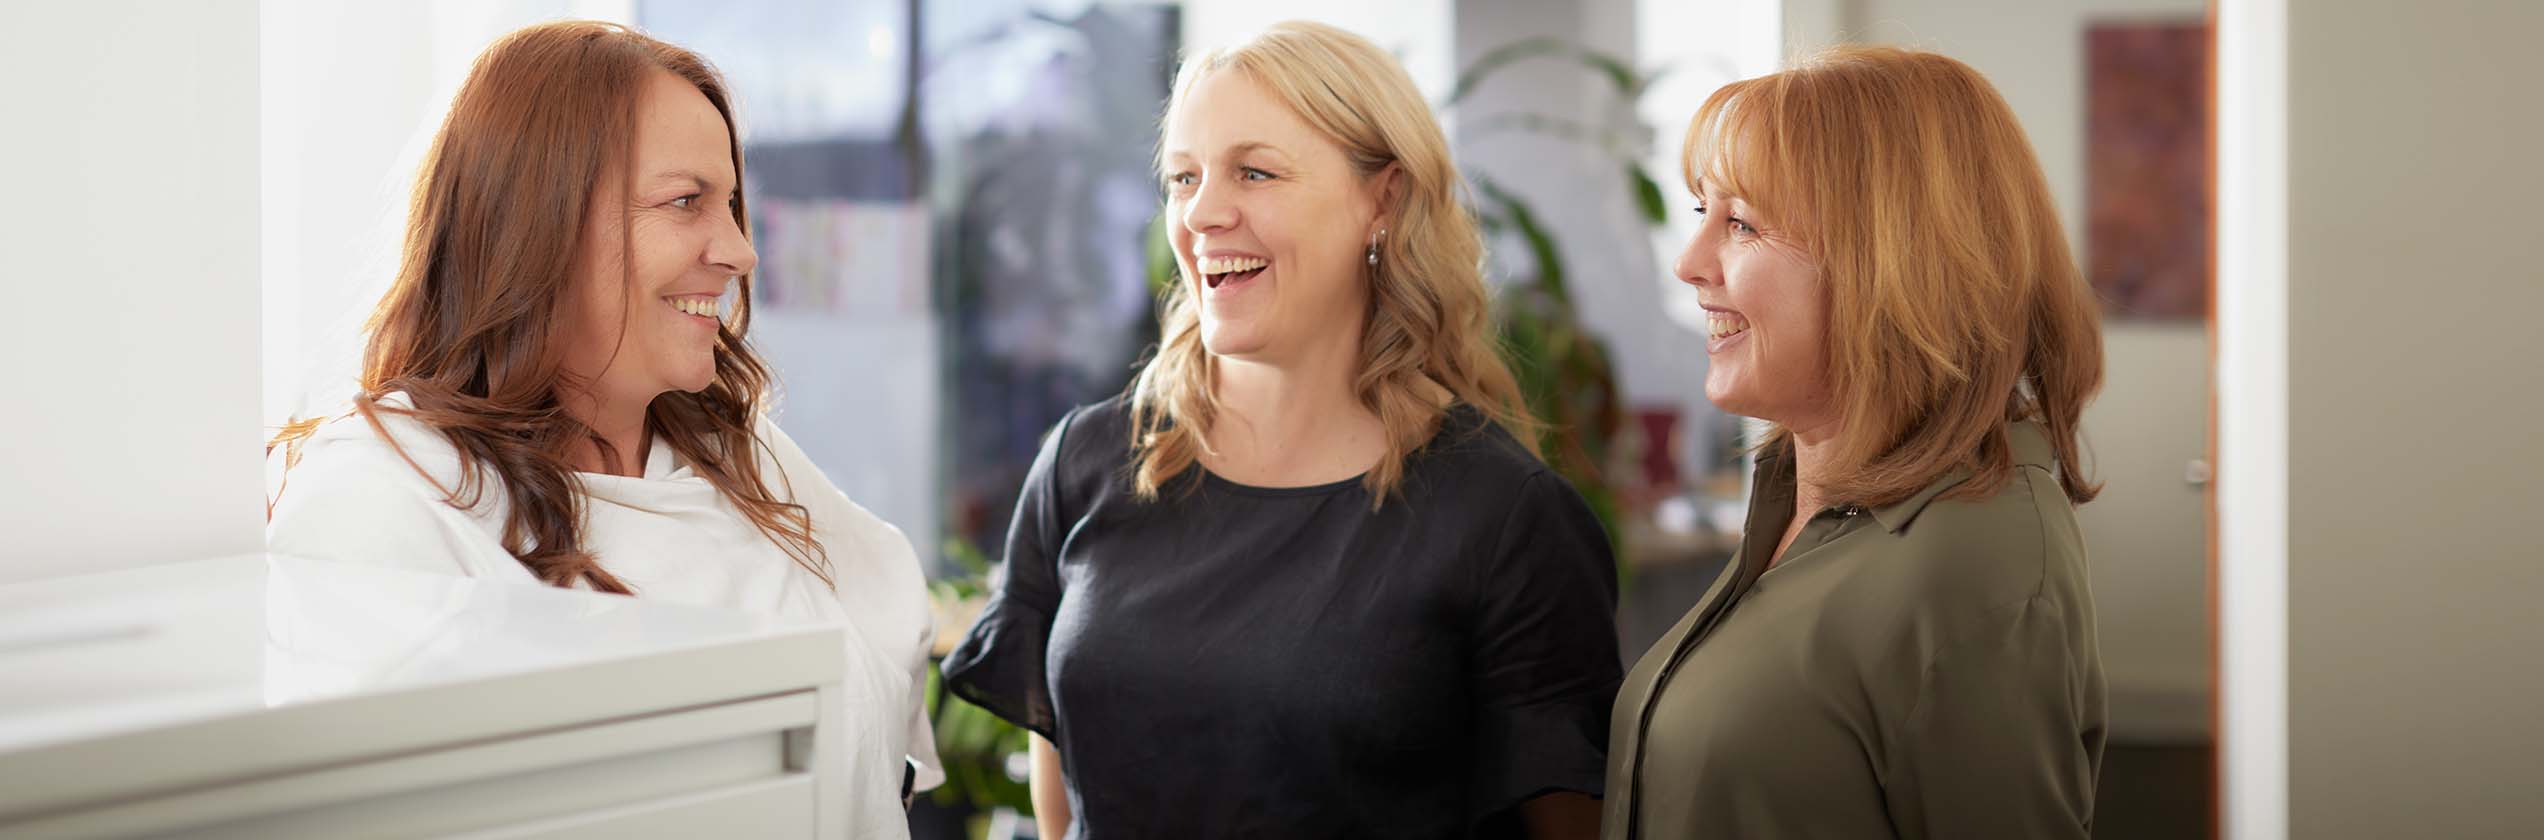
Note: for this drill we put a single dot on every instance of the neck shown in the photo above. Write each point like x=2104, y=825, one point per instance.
x=1294, y=420
x=1813, y=448
x=620, y=422
x=1268, y=403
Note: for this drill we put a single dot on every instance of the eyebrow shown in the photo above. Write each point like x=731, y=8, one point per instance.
x=1699, y=189
x=1238, y=150
x=700, y=181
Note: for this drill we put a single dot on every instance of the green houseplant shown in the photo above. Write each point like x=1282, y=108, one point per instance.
x=975, y=746
x=1565, y=371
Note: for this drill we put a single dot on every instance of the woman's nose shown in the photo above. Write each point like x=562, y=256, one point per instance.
x=1209, y=210
x=1696, y=264
x=732, y=250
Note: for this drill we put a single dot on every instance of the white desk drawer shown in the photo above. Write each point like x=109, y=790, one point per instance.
x=643, y=775
x=777, y=809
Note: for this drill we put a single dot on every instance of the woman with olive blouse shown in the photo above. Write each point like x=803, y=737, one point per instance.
x=1904, y=646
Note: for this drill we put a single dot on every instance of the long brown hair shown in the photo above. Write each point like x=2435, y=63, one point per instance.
x=1429, y=332
x=471, y=328
x=1955, y=306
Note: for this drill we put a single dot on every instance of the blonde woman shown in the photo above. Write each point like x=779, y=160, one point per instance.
x=1905, y=646
x=1308, y=577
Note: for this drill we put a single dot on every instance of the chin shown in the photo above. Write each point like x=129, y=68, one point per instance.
x=1235, y=344
x=695, y=381
x=1728, y=398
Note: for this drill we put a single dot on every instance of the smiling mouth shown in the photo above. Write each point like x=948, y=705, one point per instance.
x=1722, y=325
x=702, y=307
x=1219, y=271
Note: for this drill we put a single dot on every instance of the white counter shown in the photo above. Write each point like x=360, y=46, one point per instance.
x=280, y=697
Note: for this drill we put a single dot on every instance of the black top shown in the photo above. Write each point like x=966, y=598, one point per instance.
x=1235, y=661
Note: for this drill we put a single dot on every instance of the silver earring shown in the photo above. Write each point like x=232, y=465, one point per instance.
x=1373, y=246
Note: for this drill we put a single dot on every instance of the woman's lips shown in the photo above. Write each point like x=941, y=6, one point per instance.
x=1724, y=328
x=1216, y=281
x=1225, y=270
x=702, y=309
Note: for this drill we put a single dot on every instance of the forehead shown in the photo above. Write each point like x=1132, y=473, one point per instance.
x=1227, y=109
x=677, y=128
x=1734, y=150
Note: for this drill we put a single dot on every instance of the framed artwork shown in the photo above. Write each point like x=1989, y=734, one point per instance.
x=2148, y=224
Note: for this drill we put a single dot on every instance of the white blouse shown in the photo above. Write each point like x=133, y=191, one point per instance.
x=669, y=536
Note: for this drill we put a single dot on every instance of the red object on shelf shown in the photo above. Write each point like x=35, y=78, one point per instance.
x=1659, y=426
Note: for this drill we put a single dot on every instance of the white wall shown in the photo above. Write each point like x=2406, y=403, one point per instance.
x=2148, y=531
x=348, y=99
x=130, y=433
x=351, y=94
x=2414, y=464
x=1417, y=31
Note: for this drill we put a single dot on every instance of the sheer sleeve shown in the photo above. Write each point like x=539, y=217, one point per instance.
x=1000, y=664
x=1545, y=658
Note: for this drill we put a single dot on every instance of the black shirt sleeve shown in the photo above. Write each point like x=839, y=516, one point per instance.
x=1001, y=663
x=1545, y=657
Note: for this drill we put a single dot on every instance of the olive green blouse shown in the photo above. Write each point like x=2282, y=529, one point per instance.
x=1925, y=668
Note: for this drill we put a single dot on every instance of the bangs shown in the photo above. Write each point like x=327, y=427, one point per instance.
x=1735, y=145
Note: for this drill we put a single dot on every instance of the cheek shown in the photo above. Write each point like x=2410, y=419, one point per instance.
x=1799, y=323
x=1329, y=247
x=1781, y=302
x=1179, y=240
x=657, y=251
x=600, y=275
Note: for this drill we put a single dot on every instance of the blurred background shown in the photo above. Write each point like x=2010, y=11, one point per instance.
x=954, y=205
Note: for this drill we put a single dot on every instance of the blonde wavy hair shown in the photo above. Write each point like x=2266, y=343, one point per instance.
x=1955, y=307
x=1429, y=341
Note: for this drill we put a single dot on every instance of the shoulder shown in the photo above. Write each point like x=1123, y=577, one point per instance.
x=842, y=523
x=1476, y=461
x=383, y=494
x=1095, y=434
x=1980, y=558
x=384, y=454
x=1476, y=472
x=1088, y=450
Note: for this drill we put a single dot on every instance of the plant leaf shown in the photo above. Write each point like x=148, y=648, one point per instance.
x=1494, y=60
x=1541, y=245
x=1628, y=83
x=1647, y=194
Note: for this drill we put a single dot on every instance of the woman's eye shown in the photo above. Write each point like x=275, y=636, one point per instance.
x=1253, y=174
x=1700, y=209
x=685, y=202
x=1180, y=179
x=1743, y=227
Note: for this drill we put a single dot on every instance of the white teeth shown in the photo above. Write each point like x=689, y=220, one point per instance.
x=1725, y=325
x=1230, y=265
x=703, y=307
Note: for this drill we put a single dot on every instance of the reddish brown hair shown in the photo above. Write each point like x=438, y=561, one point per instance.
x=471, y=328
x=1954, y=305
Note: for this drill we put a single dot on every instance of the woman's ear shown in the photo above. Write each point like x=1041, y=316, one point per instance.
x=1389, y=185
